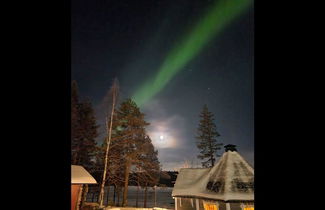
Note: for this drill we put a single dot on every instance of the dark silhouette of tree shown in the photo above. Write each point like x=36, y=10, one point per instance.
x=83, y=129
x=207, y=138
x=75, y=122
x=88, y=127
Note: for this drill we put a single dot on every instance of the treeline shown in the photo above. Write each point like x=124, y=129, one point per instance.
x=169, y=178
x=130, y=150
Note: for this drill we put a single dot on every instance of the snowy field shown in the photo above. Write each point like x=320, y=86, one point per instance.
x=163, y=197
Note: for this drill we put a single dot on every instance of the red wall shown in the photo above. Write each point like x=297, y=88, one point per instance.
x=75, y=188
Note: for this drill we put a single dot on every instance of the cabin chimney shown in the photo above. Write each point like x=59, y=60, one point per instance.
x=230, y=147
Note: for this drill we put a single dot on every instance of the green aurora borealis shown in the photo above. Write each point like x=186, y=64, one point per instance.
x=218, y=17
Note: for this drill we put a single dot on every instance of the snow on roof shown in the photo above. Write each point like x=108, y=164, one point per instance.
x=231, y=179
x=79, y=175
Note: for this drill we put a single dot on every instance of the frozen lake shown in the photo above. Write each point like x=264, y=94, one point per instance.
x=163, y=197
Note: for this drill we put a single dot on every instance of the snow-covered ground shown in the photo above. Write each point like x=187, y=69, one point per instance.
x=163, y=197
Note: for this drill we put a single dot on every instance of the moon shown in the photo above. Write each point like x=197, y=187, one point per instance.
x=163, y=134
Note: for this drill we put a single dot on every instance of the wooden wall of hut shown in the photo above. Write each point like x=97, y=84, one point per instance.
x=75, y=192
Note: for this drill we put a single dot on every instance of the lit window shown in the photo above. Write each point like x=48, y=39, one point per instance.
x=247, y=207
x=210, y=206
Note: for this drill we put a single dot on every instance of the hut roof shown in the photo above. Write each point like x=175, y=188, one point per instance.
x=79, y=175
x=231, y=179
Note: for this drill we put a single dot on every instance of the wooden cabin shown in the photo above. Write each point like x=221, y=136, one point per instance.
x=228, y=185
x=79, y=177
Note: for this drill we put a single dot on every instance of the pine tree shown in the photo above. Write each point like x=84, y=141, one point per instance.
x=130, y=149
x=88, y=130
x=131, y=132
x=206, y=138
x=83, y=129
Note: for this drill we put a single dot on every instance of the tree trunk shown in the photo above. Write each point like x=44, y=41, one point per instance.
x=137, y=198
x=109, y=133
x=84, y=195
x=114, y=193
x=75, y=156
x=92, y=198
x=211, y=154
x=212, y=161
x=154, y=199
x=126, y=183
x=138, y=182
x=118, y=196
x=107, y=193
x=145, y=197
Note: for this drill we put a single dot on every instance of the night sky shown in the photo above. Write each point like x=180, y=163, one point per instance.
x=130, y=39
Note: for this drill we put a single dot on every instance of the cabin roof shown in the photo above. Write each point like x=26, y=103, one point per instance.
x=79, y=175
x=231, y=179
